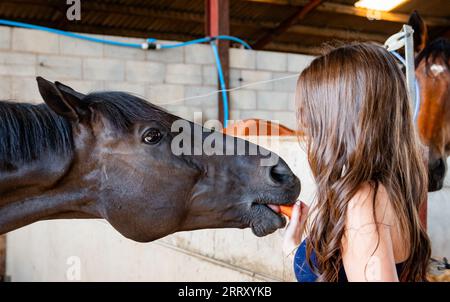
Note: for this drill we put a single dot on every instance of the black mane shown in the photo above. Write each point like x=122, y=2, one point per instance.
x=28, y=131
x=123, y=109
x=439, y=48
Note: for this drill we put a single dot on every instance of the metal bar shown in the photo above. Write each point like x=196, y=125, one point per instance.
x=410, y=66
x=218, y=23
x=411, y=82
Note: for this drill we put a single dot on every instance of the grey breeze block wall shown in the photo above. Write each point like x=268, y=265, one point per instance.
x=161, y=76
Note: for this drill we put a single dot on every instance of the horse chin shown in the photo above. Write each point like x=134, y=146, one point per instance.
x=264, y=220
x=435, y=185
x=264, y=214
x=436, y=174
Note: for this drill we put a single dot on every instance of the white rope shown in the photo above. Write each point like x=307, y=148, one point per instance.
x=168, y=102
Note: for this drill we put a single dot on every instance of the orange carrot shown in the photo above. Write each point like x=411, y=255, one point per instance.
x=286, y=210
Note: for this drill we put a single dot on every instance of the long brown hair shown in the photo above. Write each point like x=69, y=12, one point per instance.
x=353, y=106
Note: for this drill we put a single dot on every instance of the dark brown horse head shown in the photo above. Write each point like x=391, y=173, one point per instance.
x=115, y=156
x=433, y=75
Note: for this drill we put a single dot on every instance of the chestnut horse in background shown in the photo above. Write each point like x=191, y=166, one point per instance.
x=433, y=121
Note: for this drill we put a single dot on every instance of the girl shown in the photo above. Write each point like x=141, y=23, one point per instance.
x=364, y=155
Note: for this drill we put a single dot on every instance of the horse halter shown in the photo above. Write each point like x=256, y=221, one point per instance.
x=404, y=38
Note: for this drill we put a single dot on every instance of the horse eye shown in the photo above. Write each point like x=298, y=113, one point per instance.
x=152, y=136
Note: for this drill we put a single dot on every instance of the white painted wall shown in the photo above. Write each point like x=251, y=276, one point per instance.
x=439, y=218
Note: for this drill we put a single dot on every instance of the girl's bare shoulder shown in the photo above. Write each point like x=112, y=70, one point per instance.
x=365, y=203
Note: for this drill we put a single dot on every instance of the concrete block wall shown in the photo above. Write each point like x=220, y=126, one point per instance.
x=164, y=77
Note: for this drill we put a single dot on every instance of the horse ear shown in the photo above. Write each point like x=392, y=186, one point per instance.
x=420, y=31
x=63, y=100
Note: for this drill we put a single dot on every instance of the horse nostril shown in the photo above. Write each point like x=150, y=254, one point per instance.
x=436, y=174
x=442, y=167
x=281, y=173
x=438, y=167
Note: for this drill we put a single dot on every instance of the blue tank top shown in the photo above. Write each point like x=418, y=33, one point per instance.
x=304, y=273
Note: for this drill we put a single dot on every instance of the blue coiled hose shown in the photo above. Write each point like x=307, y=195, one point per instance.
x=149, y=44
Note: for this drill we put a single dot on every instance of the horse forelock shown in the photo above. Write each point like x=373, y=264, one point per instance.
x=439, y=49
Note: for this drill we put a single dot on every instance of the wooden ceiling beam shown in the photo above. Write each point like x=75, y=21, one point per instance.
x=385, y=16
x=143, y=12
x=199, y=18
x=300, y=14
x=295, y=48
x=334, y=33
x=337, y=8
x=129, y=10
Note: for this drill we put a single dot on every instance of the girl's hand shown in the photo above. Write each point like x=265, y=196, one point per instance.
x=294, y=230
